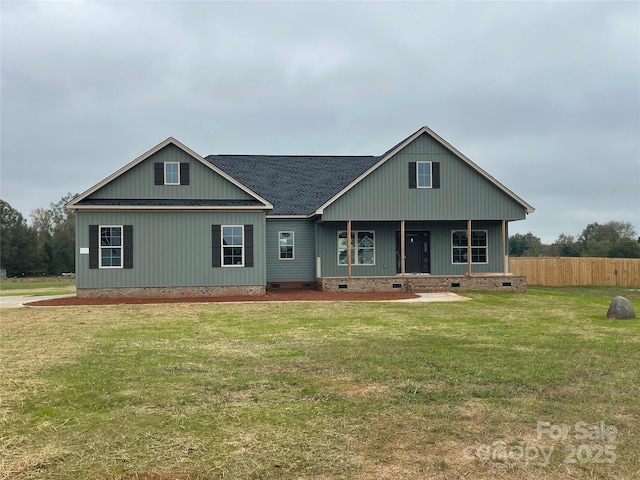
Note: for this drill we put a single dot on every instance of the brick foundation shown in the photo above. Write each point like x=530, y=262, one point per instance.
x=174, y=292
x=292, y=285
x=410, y=283
x=426, y=283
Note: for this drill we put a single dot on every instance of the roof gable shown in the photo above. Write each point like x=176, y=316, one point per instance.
x=407, y=141
x=116, y=190
x=288, y=185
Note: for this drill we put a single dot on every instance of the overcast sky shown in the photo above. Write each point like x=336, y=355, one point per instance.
x=545, y=96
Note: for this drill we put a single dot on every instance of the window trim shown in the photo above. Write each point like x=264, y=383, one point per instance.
x=470, y=248
x=100, y=247
x=293, y=245
x=418, y=174
x=165, y=173
x=223, y=246
x=354, y=257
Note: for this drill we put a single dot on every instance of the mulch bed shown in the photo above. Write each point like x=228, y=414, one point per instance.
x=271, y=296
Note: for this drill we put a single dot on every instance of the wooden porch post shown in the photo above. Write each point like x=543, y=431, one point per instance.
x=505, y=267
x=469, y=246
x=349, y=249
x=402, y=254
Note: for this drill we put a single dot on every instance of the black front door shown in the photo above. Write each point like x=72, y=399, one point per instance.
x=416, y=251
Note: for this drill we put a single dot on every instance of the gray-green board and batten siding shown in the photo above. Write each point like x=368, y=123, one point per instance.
x=170, y=249
x=174, y=248
x=302, y=268
x=139, y=181
x=463, y=194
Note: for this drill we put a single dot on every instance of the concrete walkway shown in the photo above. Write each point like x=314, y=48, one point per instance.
x=436, y=297
x=18, y=302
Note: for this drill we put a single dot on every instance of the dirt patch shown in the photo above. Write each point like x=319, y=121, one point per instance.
x=271, y=296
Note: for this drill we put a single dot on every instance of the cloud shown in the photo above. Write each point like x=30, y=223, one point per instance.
x=543, y=95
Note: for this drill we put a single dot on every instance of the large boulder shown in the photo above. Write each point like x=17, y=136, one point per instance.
x=620, y=308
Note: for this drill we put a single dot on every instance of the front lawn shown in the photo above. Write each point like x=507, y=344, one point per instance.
x=37, y=286
x=525, y=386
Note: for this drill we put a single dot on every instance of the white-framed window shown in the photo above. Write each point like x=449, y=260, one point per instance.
x=363, y=246
x=171, y=173
x=110, y=254
x=286, y=245
x=460, y=246
x=424, y=174
x=232, y=245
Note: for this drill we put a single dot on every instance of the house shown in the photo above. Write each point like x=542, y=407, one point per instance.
x=420, y=217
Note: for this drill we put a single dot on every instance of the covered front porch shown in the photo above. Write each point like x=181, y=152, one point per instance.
x=387, y=248
x=415, y=256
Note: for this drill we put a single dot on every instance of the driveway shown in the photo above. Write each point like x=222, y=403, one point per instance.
x=18, y=302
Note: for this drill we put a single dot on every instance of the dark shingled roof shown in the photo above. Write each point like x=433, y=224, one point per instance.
x=295, y=185
x=170, y=202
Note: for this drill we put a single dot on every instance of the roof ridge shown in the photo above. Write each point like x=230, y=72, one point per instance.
x=287, y=155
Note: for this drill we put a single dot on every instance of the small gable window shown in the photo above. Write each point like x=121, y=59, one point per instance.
x=424, y=174
x=285, y=245
x=172, y=173
x=460, y=246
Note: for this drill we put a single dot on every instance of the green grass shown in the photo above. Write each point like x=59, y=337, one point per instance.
x=320, y=390
x=37, y=286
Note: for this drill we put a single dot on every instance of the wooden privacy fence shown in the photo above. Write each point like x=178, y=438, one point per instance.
x=567, y=271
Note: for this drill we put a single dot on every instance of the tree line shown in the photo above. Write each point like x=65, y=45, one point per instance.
x=612, y=239
x=44, y=246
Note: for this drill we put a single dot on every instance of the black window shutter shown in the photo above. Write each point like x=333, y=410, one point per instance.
x=248, y=245
x=127, y=243
x=216, y=247
x=412, y=175
x=93, y=246
x=158, y=170
x=435, y=172
x=184, y=173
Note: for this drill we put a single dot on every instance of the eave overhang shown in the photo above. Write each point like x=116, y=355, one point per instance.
x=163, y=208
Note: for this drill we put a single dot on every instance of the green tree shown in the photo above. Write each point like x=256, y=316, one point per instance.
x=517, y=245
x=524, y=245
x=58, y=231
x=565, y=246
x=625, y=248
x=42, y=226
x=18, y=246
x=602, y=240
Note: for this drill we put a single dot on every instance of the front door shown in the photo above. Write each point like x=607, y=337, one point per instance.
x=416, y=251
